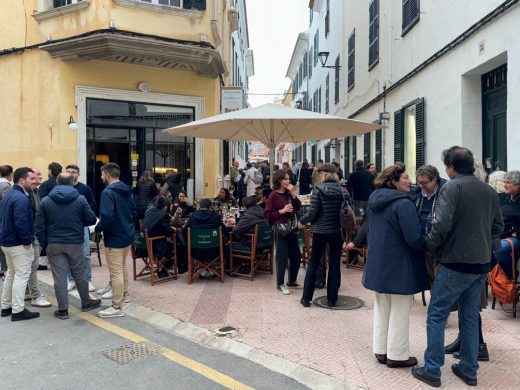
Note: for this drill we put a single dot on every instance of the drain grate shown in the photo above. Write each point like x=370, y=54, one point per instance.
x=344, y=302
x=128, y=353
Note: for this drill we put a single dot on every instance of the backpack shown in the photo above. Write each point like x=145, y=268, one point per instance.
x=258, y=178
x=503, y=288
x=347, y=219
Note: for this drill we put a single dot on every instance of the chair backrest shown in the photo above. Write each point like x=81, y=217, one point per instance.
x=139, y=240
x=264, y=237
x=204, y=238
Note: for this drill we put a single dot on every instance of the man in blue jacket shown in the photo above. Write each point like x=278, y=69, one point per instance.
x=59, y=228
x=16, y=237
x=117, y=215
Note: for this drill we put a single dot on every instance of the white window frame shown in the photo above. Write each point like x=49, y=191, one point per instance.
x=156, y=2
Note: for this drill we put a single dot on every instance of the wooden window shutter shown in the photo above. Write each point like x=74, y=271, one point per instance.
x=346, y=155
x=366, y=148
x=379, y=150
x=420, y=140
x=354, y=151
x=398, y=136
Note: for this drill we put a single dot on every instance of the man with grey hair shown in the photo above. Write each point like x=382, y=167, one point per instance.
x=429, y=184
x=59, y=229
x=467, y=219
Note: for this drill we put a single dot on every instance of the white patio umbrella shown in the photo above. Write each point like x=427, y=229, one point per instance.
x=272, y=124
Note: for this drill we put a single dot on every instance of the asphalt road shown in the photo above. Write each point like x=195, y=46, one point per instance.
x=48, y=353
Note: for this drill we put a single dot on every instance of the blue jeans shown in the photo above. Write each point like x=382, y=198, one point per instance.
x=503, y=256
x=86, y=255
x=449, y=287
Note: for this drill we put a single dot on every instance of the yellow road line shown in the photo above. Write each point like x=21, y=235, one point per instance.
x=193, y=365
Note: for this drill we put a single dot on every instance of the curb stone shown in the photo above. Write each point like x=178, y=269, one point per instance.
x=309, y=377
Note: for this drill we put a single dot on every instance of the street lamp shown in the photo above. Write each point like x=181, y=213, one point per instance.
x=323, y=56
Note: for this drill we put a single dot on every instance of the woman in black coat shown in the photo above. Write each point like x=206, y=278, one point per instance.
x=325, y=225
x=305, y=178
x=395, y=268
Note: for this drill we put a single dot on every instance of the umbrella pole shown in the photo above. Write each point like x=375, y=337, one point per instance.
x=272, y=151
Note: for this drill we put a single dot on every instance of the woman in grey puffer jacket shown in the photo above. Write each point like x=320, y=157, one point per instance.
x=325, y=225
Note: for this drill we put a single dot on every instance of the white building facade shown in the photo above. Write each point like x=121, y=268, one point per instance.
x=435, y=78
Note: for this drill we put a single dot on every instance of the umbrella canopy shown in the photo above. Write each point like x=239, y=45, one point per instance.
x=272, y=124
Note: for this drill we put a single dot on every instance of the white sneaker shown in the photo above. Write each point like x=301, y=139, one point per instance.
x=41, y=302
x=283, y=289
x=107, y=295
x=111, y=312
x=91, y=287
x=71, y=285
x=104, y=290
x=126, y=298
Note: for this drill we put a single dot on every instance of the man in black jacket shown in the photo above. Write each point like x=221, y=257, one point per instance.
x=46, y=187
x=157, y=222
x=59, y=228
x=360, y=185
x=467, y=218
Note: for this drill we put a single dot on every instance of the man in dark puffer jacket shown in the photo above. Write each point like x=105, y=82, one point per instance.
x=60, y=221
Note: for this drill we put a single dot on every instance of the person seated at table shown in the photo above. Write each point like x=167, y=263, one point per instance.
x=158, y=223
x=163, y=193
x=231, y=190
x=182, y=203
x=253, y=216
x=204, y=218
x=258, y=190
x=262, y=198
x=224, y=201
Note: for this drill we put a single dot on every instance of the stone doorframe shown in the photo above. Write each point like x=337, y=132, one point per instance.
x=84, y=92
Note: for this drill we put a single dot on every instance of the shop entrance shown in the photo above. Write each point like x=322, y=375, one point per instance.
x=130, y=134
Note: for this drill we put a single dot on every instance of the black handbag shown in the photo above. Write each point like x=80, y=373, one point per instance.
x=288, y=227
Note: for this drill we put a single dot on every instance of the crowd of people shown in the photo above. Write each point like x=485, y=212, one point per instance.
x=439, y=234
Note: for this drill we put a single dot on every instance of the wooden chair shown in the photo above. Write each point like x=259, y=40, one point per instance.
x=94, y=247
x=140, y=251
x=257, y=253
x=205, y=239
x=305, y=238
x=359, y=251
x=264, y=249
x=155, y=265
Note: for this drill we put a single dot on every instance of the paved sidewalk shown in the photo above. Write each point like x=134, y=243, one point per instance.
x=334, y=342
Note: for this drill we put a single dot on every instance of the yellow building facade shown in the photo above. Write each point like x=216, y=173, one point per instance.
x=122, y=70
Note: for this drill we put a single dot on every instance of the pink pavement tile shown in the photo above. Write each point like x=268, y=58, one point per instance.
x=338, y=343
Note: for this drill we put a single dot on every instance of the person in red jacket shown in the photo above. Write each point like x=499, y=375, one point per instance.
x=282, y=206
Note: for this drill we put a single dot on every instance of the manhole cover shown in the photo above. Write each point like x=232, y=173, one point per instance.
x=343, y=303
x=126, y=354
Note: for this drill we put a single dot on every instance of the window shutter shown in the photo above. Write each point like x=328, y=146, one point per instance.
x=379, y=150
x=420, y=140
x=398, y=136
x=198, y=4
x=354, y=151
x=366, y=148
x=346, y=155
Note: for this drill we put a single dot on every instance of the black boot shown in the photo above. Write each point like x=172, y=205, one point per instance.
x=453, y=347
x=483, y=353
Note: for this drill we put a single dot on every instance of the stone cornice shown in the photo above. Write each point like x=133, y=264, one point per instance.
x=66, y=9
x=158, y=8
x=138, y=50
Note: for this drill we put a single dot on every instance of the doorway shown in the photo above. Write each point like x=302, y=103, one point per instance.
x=494, y=119
x=130, y=133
